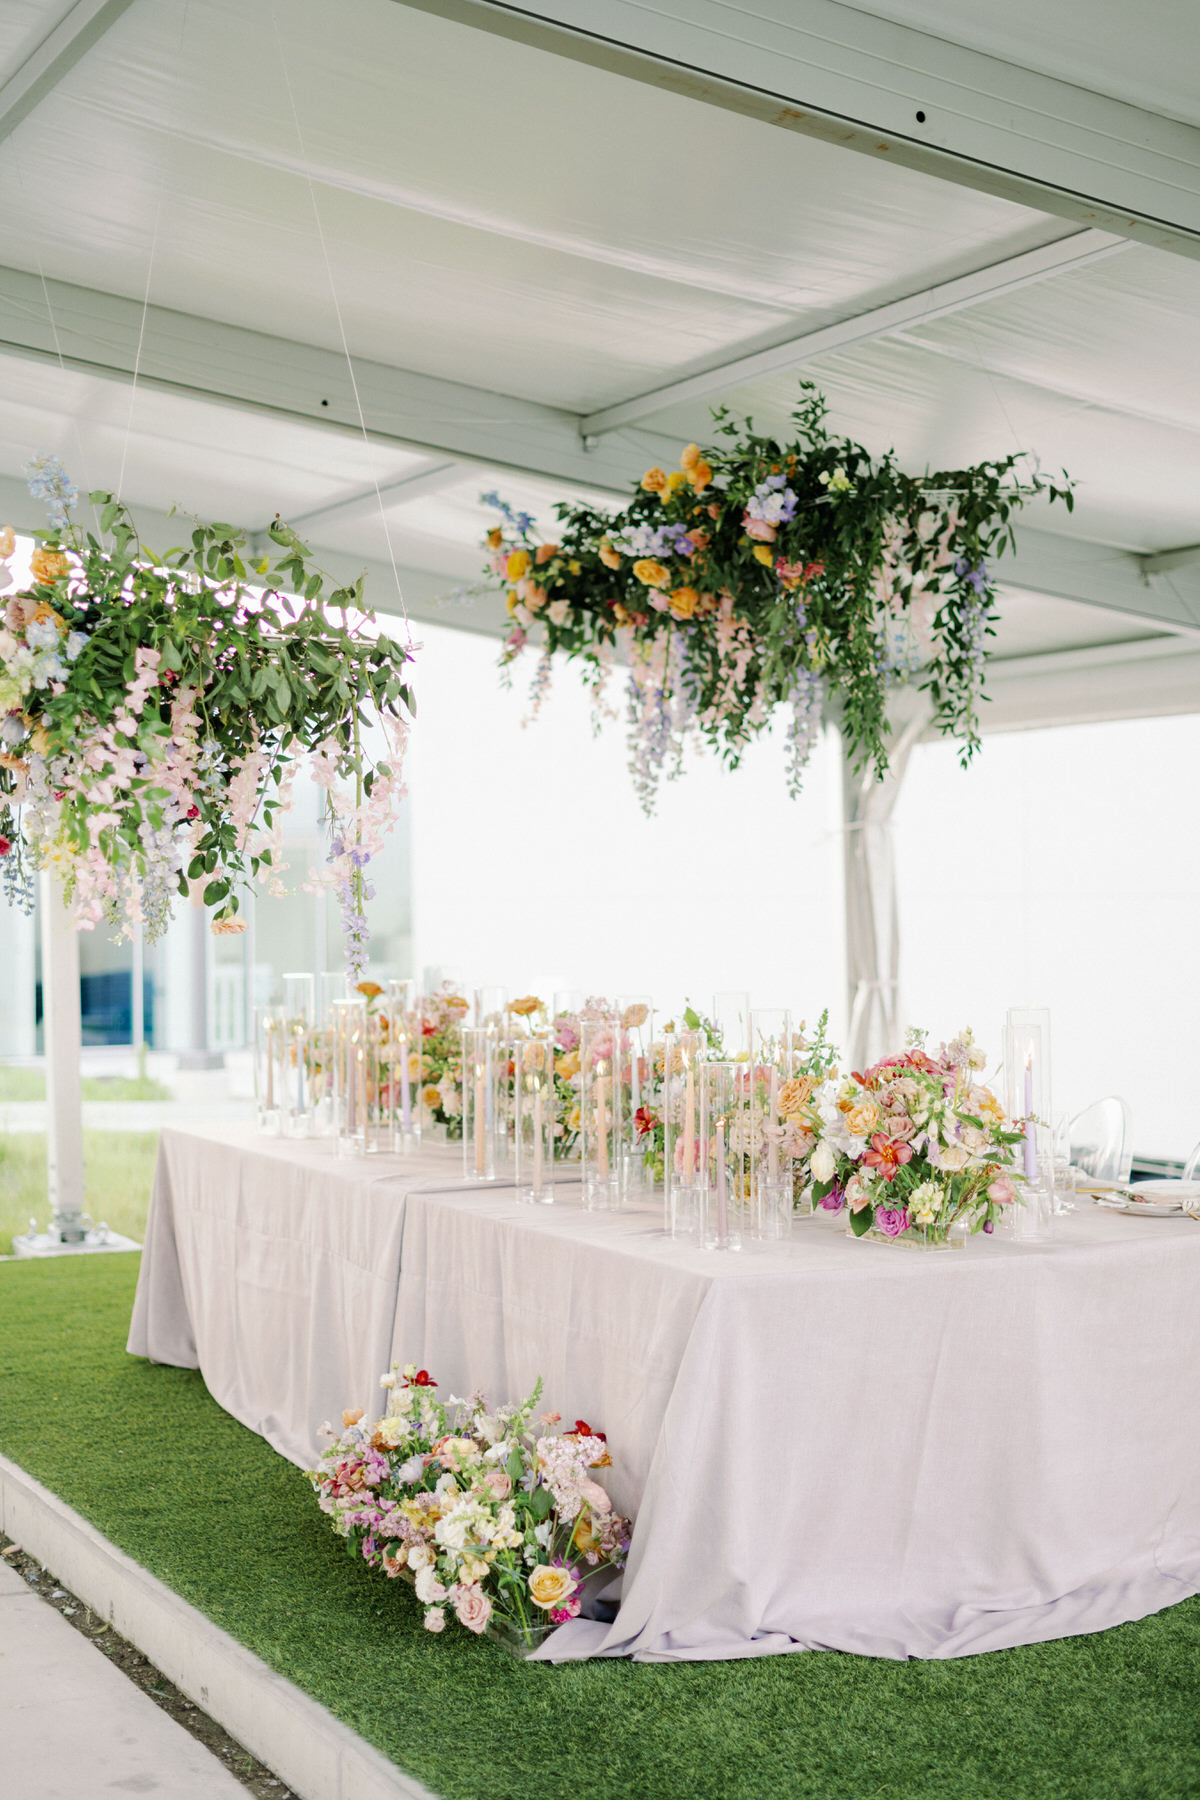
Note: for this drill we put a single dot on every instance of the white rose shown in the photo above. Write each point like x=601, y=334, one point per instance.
x=429, y=1588
x=557, y=612
x=823, y=1163
x=953, y=1157
x=420, y=1556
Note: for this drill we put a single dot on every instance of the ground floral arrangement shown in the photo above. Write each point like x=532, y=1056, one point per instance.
x=494, y=1517
x=156, y=709
x=914, y=1146
x=763, y=573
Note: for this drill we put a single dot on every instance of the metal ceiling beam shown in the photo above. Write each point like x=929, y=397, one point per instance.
x=55, y=56
x=368, y=500
x=830, y=71
x=1163, y=561
x=247, y=370
x=989, y=283
x=183, y=354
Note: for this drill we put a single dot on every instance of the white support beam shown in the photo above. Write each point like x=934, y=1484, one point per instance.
x=367, y=500
x=182, y=353
x=1071, y=568
x=830, y=71
x=55, y=56
x=1004, y=277
x=1162, y=562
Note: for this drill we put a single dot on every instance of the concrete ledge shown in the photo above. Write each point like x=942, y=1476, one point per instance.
x=318, y=1756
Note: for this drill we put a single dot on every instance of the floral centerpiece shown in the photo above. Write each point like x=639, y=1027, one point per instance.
x=494, y=1518
x=914, y=1148
x=156, y=709
x=763, y=573
x=438, y=1066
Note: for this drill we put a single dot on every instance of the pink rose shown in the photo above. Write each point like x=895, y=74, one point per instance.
x=435, y=1619
x=1002, y=1191
x=901, y=1130
x=891, y=1220
x=595, y=1496
x=497, y=1480
x=759, y=529
x=472, y=1606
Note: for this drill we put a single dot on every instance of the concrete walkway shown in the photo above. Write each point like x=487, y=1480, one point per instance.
x=72, y=1727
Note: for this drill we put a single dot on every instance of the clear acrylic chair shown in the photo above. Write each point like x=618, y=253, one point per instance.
x=1099, y=1136
x=1191, y=1168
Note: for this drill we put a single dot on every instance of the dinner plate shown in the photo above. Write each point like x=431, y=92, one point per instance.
x=1157, y=1199
x=1180, y=1193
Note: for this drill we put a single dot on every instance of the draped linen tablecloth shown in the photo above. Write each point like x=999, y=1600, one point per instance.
x=272, y=1266
x=833, y=1444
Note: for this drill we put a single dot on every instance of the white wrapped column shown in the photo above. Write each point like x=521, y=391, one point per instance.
x=872, y=914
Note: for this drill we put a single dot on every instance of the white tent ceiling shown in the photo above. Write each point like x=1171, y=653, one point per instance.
x=512, y=242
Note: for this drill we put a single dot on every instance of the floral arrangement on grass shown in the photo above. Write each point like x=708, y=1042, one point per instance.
x=156, y=709
x=494, y=1518
x=763, y=573
x=913, y=1147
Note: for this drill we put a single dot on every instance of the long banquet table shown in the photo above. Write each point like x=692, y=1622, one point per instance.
x=826, y=1444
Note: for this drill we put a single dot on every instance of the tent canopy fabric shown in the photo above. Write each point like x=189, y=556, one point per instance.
x=226, y=197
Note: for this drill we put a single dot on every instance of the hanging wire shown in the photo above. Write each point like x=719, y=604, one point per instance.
x=333, y=294
x=137, y=360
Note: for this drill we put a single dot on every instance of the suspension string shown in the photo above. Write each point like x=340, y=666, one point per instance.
x=362, y=422
x=137, y=361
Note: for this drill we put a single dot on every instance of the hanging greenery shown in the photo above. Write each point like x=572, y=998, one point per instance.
x=156, y=709
x=762, y=574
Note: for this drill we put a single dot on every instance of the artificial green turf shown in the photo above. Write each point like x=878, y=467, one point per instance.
x=150, y=1458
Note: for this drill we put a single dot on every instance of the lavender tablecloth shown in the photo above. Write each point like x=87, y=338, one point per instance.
x=826, y=1444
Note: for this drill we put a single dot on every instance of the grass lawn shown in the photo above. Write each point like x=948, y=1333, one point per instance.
x=30, y=1084
x=149, y=1457
x=118, y=1170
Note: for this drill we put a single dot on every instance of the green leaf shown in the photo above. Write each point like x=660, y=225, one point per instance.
x=215, y=892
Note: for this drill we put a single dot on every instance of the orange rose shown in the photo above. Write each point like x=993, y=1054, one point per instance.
x=47, y=566
x=545, y=552
x=651, y=573
x=700, y=475
x=683, y=602
x=608, y=556
x=495, y=538
x=371, y=990
x=654, y=481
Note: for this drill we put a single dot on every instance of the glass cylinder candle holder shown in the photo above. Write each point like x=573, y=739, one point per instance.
x=270, y=1036
x=489, y=1006
x=600, y=1111
x=382, y=1076
x=636, y=1078
x=731, y=1016
x=534, y=1117
x=772, y=1060
x=349, y=1055
x=299, y=1000
x=480, y=1064
x=405, y=1025
x=1028, y=1104
x=723, y=1188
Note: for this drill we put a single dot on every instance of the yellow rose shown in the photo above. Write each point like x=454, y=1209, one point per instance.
x=414, y=1067
x=575, y=1119
x=764, y=554
x=689, y=456
x=654, y=481
x=700, y=474
x=676, y=480
x=512, y=600
x=371, y=990
x=517, y=564
x=684, y=601
x=47, y=566
x=575, y=566
x=608, y=556
x=567, y=1065
x=550, y=1585
x=651, y=573
x=431, y=1096
x=529, y=1004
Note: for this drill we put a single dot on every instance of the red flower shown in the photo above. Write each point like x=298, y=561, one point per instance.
x=887, y=1156
x=193, y=812
x=645, y=1120
x=428, y=1030
x=5, y=846
x=422, y=1378
x=583, y=1429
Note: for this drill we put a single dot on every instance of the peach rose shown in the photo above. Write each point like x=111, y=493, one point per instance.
x=794, y=1094
x=8, y=540
x=608, y=556
x=231, y=927
x=499, y=1482
x=550, y=1585
x=683, y=602
x=351, y=1416
x=1001, y=1191
x=545, y=552
x=473, y=1607
x=759, y=530
x=595, y=1496
x=689, y=456
x=529, y=1003
x=700, y=475
x=650, y=573
x=654, y=481
x=47, y=566
x=862, y=1118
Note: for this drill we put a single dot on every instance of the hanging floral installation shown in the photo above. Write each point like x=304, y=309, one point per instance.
x=155, y=711
x=762, y=574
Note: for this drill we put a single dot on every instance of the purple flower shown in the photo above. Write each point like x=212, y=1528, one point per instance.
x=834, y=1200
x=891, y=1220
